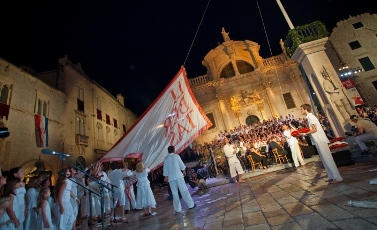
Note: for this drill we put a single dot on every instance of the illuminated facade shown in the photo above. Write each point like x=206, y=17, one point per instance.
x=83, y=118
x=241, y=87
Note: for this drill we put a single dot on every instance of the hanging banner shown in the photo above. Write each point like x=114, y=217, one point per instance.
x=174, y=118
x=355, y=96
x=349, y=83
x=41, y=130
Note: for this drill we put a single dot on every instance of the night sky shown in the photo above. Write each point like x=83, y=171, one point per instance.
x=136, y=47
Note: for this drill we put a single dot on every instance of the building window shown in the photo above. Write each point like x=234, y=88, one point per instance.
x=289, y=102
x=358, y=25
x=80, y=99
x=227, y=71
x=98, y=107
x=244, y=67
x=5, y=91
x=99, y=115
x=354, y=45
x=124, y=129
x=115, y=123
x=107, y=119
x=375, y=85
x=80, y=126
x=42, y=104
x=99, y=131
x=108, y=134
x=366, y=63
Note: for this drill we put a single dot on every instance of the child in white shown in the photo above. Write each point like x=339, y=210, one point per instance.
x=44, y=221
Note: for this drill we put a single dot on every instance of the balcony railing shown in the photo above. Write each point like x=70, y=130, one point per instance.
x=303, y=34
x=81, y=140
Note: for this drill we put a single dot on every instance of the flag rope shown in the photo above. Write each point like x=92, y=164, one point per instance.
x=196, y=33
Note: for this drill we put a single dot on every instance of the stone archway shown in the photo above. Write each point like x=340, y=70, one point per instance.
x=251, y=119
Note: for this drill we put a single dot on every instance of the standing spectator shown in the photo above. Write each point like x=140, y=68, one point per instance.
x=235, y=167
x=115, y=176
x=319, y=139
x=173, y=167
x=145, y=198
x=44, y=221
x=31, y=204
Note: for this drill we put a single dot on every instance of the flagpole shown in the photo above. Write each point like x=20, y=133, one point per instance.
x=285, y=15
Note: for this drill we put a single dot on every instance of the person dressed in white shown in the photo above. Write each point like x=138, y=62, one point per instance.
x=31, y=204
x=44, y=221
x=64, y=216
x=172, y=171
x=106, y=196
x=128, y=179
x=320, y=140
x=293, y=145
x=145, y=198
x=235, y=167
x=115, y=176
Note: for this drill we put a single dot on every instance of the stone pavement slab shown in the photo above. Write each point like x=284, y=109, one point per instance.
x=287, y=198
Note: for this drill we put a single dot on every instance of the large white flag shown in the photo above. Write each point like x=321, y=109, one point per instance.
x=174, y=118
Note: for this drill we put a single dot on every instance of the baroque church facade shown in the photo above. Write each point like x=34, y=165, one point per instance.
x=78, y=116
x=241, y=87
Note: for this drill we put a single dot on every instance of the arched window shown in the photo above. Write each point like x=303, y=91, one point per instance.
x=227, y=71
x=244, y=67
x=81, y=162
x=99, y=131
x=80, y=126
x=4, y=94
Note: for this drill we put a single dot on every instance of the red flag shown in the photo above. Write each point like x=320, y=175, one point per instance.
x=174, y=118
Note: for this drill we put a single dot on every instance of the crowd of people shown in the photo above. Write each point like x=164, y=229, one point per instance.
x=38, y=205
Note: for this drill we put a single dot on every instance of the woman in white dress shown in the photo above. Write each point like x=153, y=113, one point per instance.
x=144, y=198
x=13, y=210
x=5, y=222
x=128, y=180
x=31, y=204
x=20, y=193
x=95, y=202
x=44, y=221
x=75, y=201
x=62, y=199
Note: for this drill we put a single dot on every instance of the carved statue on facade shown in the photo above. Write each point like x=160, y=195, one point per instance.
x=225, y=35
x=337, y=96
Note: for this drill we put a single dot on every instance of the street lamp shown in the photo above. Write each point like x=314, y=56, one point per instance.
x=345, y=71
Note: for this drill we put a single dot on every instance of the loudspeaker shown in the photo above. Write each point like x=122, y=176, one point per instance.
x=343, y=158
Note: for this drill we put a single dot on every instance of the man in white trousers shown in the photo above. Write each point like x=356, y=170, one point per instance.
x=293, y=145
x=173, y=167
x=320, y=140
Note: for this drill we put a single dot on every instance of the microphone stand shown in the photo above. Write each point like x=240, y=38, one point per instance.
x=90, y=199
x=102, y=186
x=112, y=191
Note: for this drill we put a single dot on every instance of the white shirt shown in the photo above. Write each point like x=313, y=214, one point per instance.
x=320, y=135
x=173, y=166
x=115, y=177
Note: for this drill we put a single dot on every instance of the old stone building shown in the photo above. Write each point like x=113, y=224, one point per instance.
x=241, y=87
x=83, y=118
x=354, y=43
